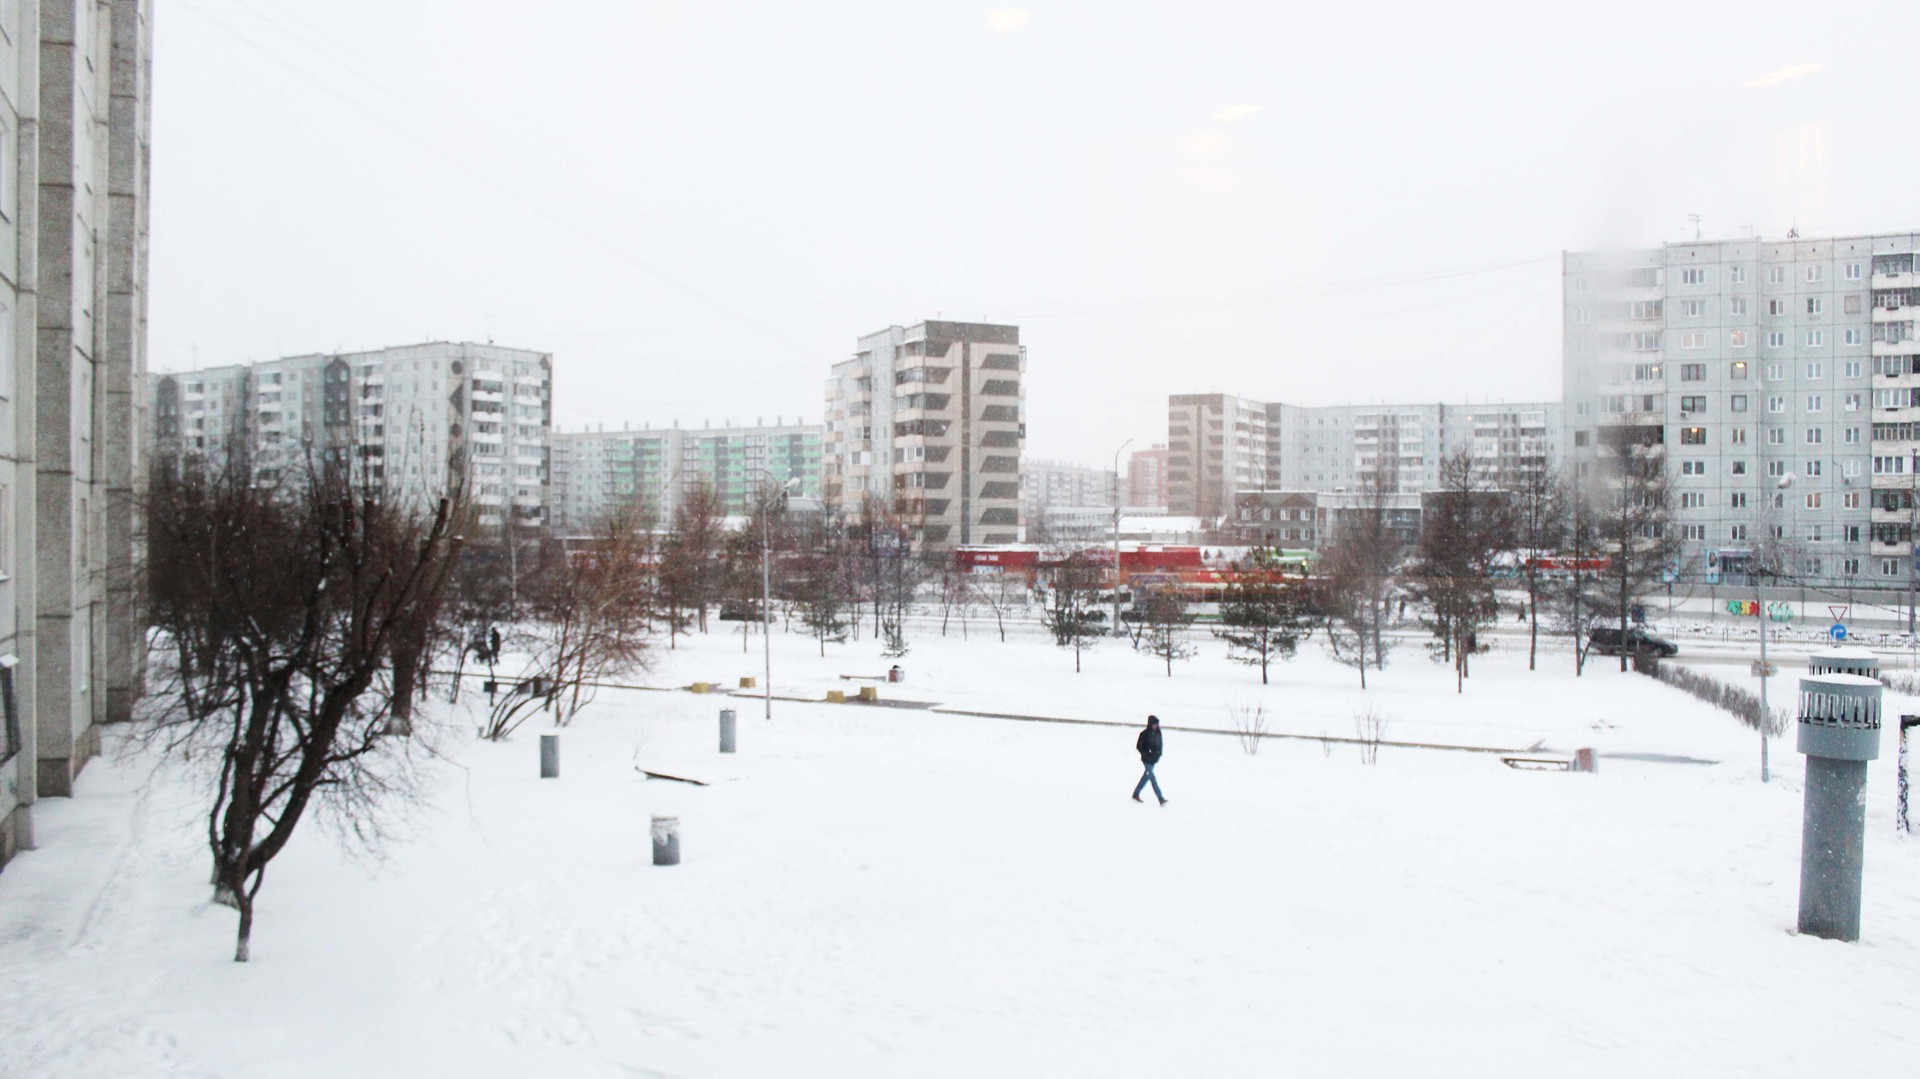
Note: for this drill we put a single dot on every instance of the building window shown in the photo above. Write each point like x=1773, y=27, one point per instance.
x=1694, y=308
x=1693, y=468
x=1851, y=501
x=1776, y=469
x=1737, y=532
x=1693, y=436
x=1738, y=339
x=1737, y=468
x=1738, y=435
x=1737, y=403
x=1813, y=500
x=1816, y=338
x=1776, y=372
x=1777, y=308
x=1776, y=275
x=1811, y=468
x=1889, y=567
x=1693, y=339
x=1692, y=500
x=1737, y=500
x=1693, y=372
x=1850, y=304
x=1647, y=372
x=1777, y=403
x=1816, y=305
x=1814, y=402
x=1694, y=276
x=1777, y=339
x=1852, y=271
x=1850, y=337
x=1737, y=274
x=1813, y=370
x=1693, y=532
x=1697, y=404
x=1852, y=369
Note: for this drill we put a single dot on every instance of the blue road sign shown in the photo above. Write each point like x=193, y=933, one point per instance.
x=1837, y=631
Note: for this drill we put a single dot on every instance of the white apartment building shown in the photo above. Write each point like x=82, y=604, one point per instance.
x=1779, y=380
x=1253, y=446
x=596, y=472
x=929, y=420
x=410, y=418
x=1063, y=485
x=74, y=140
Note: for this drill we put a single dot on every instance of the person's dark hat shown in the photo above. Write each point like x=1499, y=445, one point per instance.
x=1153, y=721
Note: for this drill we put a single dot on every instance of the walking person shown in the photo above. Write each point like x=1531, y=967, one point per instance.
x=1149, y=746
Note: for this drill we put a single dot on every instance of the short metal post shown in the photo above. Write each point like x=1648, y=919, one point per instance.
x=1907, y=723
x=666, y=841
x=549, y=756
x=727, y=726
x=1839, y=733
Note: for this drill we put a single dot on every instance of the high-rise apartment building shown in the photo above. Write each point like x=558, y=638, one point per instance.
x=1778, y=381
x=1216, y=448
x=410, y=418
x=1252, y=446
x=652, y=469
x=928, y=420
x=74, y=125
x=1147, y=476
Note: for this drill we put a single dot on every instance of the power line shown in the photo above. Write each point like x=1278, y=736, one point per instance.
x=531, y=205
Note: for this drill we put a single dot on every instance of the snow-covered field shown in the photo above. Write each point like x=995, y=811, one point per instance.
x=898, y=891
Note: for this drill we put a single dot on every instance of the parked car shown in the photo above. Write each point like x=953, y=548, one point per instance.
x=1607, y=641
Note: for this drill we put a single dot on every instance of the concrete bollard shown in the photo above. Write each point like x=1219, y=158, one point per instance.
x=726, y=730
x=1585, y=760
x=869, y=693
x=666, y=841
x=1839, y=731
x=747, y=682
x=549, y=756
x=836, y=696
x=703, y=687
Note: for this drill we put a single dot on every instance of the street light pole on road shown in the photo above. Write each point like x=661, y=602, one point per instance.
x=766, y=594
x=1114, y=629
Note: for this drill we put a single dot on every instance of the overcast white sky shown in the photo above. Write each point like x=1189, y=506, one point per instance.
x=698, y=206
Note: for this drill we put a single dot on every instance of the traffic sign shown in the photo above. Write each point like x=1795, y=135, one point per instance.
x=1763, y=670
x=1837, y=631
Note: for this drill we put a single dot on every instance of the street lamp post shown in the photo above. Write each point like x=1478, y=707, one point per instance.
x=766, y=595
x=1114, y=629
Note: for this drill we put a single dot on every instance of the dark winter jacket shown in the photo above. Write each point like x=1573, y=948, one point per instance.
x=1149, y=745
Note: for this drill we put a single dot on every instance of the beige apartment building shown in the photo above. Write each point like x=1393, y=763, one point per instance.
x=929, y=421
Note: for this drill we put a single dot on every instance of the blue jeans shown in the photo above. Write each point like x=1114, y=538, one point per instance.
x=1146, y=778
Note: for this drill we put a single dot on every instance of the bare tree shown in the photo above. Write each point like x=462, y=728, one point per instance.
x=822, y=586
x=1000, y=592
x=1164, y=621
x=1360, y=572
x=282, y=608
x=690, y=562
x=1464, y=527
x=589, y=620
x=1540, y=525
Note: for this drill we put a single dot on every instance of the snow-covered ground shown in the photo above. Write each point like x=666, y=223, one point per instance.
x=903, y=891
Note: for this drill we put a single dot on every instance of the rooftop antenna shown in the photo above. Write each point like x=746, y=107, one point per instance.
x=1793, y=231
x=1695, y=218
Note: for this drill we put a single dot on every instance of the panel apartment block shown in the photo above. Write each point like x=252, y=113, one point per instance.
x=1779, y=381
x=928, y=420
x=410, y=418
x=1220, y=446
x=653, y=469
x=74, y=81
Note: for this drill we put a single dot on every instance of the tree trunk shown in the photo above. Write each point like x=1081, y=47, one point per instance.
x=1533, y=621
